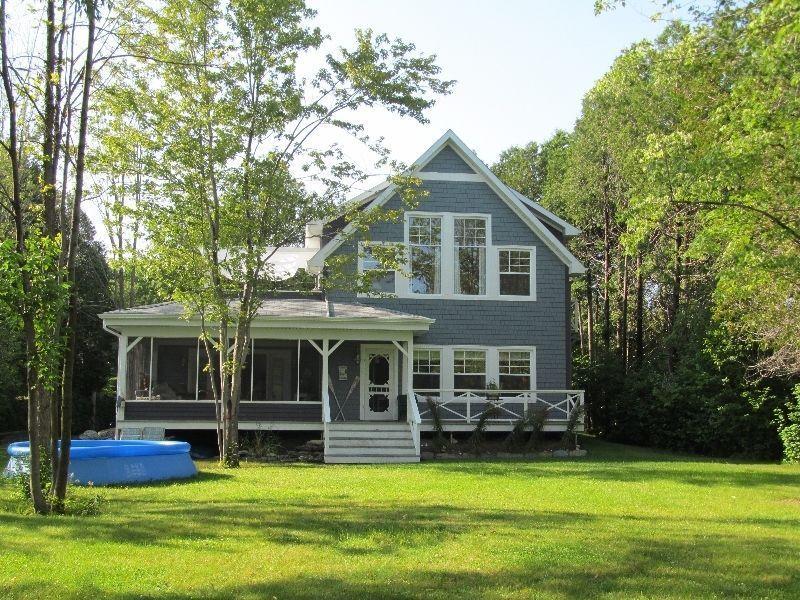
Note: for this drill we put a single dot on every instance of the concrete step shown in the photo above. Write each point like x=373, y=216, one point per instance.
x=369, y=425
x=342, y=442
x=371, y=451
x=370, y=459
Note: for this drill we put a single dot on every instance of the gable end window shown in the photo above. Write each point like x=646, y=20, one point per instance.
x=425, y=248
x=515, y=272
x=470, y=256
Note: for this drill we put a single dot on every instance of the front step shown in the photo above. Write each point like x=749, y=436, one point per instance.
x=369, y=442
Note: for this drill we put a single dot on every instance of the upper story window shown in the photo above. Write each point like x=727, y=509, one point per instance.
x=470, y=255
x=425, y=249
x=469, y=369
x=515, y=272
x=381, y=279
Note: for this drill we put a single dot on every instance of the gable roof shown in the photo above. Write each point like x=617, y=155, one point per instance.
x=482, y=174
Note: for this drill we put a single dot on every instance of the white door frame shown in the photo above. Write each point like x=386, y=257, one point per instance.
x=365, y=414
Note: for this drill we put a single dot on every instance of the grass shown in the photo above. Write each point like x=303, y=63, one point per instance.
x=623, y=523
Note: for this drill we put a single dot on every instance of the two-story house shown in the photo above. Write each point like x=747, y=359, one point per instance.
x=480, y=316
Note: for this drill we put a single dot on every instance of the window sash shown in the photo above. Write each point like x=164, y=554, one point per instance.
x=515, y=272
x=385, y=283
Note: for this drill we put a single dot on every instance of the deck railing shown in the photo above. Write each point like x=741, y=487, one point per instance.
x=466, y=406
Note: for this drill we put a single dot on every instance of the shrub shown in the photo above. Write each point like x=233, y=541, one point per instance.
x=478, y=436
x=439, y=439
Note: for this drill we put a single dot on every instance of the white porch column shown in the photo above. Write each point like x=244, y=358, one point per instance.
x=409, y=384
x=122, y=378
x=325, y=356
x=122, y=366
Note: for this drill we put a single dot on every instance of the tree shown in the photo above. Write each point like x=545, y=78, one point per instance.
x=236, y=160
x=39, y=261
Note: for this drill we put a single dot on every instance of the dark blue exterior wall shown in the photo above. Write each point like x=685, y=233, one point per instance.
x=447, y=161
x=543, y=323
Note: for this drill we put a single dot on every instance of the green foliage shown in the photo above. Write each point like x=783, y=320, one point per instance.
x=682, y=173
x=439, y=439
x=478, y=436
x=569, y=437
x=261, y=444
x=525, y=433
x=789, y=425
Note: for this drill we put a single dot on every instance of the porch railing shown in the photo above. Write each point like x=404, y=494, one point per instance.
x=467, y=406
x=414, y=420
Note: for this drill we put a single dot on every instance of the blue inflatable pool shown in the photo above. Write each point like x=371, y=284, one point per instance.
x=104, y=462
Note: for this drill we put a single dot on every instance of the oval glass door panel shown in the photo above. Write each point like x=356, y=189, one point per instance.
x=379, y=374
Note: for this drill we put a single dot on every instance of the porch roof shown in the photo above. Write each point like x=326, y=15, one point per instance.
x=306, y=312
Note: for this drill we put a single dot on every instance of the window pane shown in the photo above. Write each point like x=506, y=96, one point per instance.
x=515, y=269
x=470, y=382
x=383, y=280
x=426, y=382
x=515, y=370
x=427, y=361
x=425, y=269
x=470, y=256
x=425, y=241
x=469, y=362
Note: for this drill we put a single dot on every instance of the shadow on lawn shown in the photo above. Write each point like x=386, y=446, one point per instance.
x=681, y=567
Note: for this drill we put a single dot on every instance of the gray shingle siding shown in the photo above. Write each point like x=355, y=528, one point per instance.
x=447, y=161
x=486, y=322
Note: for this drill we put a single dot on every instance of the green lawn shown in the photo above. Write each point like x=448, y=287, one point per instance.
x=621, y=523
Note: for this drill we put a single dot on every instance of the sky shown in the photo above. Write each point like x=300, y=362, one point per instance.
x=522, y=66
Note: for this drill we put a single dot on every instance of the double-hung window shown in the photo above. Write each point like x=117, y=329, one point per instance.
x=425, y=247
x=515, y=272
x=427, y=371
x=381, y=280
x=469, y=369
x=514, y=369
x=470, y=255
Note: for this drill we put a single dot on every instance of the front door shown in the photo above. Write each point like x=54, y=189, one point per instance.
x=378, y=382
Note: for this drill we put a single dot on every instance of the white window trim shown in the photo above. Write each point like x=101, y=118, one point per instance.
x=448, y=263
x=447, y=362
x=531, y=350
x=445, y=233
x=532, y=274
x=397, y=275
x=442, y=369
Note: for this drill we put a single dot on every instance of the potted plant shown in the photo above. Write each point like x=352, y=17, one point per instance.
x=492, y=392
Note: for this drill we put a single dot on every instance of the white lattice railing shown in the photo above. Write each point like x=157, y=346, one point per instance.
x=466, y=406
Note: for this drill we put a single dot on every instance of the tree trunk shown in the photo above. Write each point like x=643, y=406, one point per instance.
x=674, y=304
x=623, y=318
x=606, y=278
x=639, y=311
x=589, y=314
x=61, y=475
x=40, y=504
